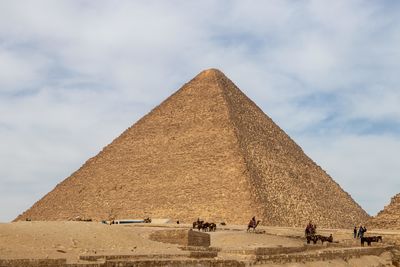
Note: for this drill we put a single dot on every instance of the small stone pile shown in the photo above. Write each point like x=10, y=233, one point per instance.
x=389, y=217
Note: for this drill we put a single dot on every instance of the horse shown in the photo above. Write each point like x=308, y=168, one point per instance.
x=324, y=238
x=198, y=224
x=312, y=238
x=311, y=229
x=212, y=227
x=370, y=239
x=205, y=226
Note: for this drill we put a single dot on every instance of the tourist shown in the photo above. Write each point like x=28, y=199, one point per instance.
x=355, y=231
x=309, y=229
x=364, y=230
x=361, y=231
x=314, y=229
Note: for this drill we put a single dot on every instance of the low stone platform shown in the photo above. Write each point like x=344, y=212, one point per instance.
x=125, y=263
x=321, y=255
x=208, y=257
x=33, y=262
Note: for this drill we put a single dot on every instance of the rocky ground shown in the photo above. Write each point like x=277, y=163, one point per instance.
x=73, y=240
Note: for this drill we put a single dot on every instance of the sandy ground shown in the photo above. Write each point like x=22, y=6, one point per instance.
x=71, y=239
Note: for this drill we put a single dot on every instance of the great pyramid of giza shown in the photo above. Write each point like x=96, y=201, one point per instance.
x=207, y=151
x=389, y=217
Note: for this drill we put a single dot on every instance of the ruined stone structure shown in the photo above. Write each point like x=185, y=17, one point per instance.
x=207, y=151
x=389, y=217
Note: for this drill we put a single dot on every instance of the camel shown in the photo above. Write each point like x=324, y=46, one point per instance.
x=252, y=225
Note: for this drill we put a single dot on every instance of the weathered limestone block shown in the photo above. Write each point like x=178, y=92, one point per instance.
x=182, y=237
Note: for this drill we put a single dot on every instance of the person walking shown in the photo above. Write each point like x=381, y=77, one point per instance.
x=355, y=231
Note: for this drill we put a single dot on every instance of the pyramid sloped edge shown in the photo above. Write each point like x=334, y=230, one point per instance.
x=233, y=163
x=251, y=137
x=270, y=196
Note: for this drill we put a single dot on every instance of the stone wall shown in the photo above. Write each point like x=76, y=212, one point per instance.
x=125, y=263
x=259, y=256
x=324, y=255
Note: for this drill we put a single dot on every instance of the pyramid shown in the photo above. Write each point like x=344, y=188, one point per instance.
x=207, y=151
x=389, y=217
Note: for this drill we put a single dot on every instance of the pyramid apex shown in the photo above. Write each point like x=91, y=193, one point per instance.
x=209, y=72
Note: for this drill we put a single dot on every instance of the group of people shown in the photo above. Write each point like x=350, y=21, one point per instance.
x=311, y=229
x=360, y=232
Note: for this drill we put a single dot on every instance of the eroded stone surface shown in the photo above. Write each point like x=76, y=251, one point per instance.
x=207, y=151
x=182, y=237
x=389, y=217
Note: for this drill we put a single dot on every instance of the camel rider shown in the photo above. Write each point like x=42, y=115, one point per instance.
x=253, y=221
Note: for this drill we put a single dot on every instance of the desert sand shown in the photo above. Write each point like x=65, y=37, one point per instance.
x=70, y=240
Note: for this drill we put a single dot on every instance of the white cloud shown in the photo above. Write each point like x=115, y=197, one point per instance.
x=377, y=103
x=74, y=75
x=20, y=70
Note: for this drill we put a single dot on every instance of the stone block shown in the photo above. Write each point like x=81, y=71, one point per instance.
x=182, y=237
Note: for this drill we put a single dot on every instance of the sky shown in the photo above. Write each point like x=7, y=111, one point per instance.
x=75, y=74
